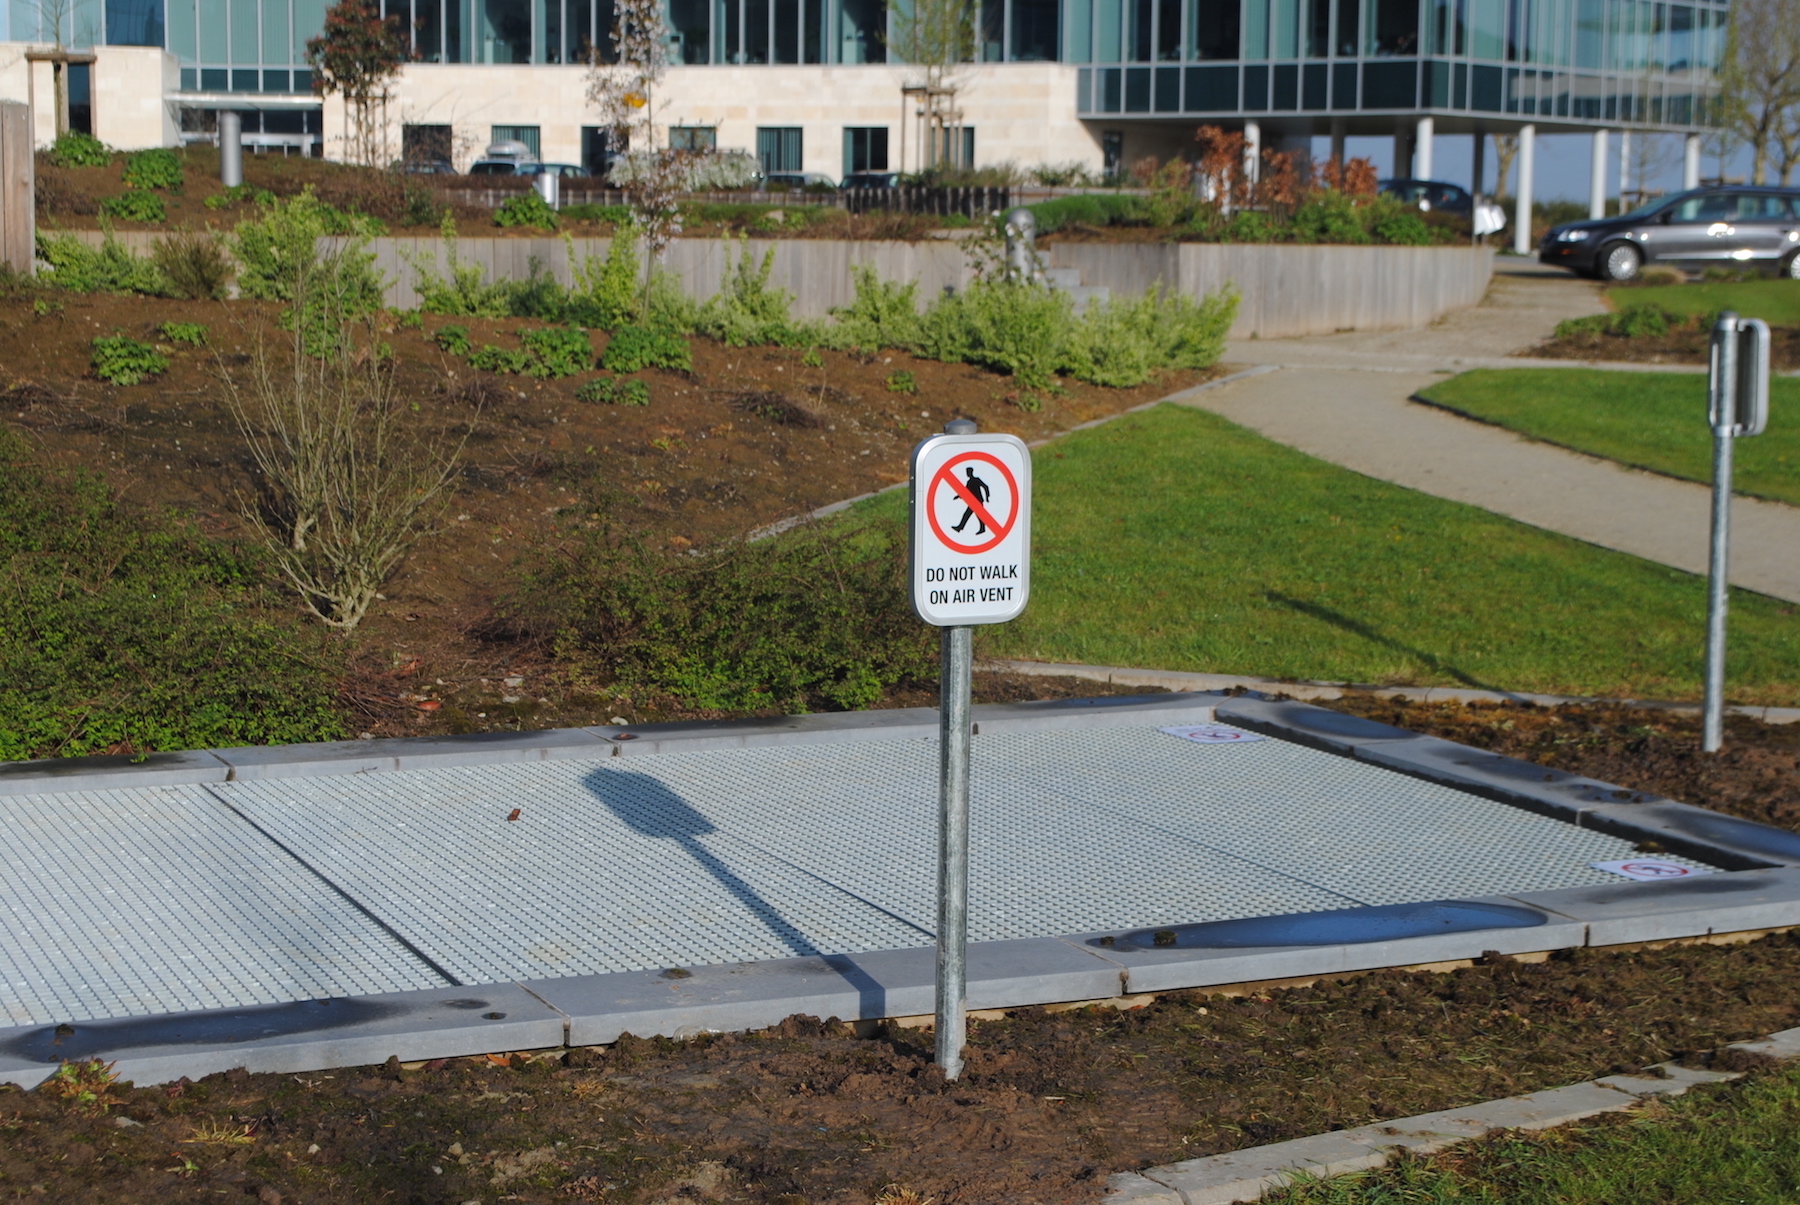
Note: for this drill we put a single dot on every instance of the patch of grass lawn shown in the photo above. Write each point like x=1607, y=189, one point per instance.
x=1651, y=421
x=1731, y=1143
x=1175, y=539
x=1776, y=302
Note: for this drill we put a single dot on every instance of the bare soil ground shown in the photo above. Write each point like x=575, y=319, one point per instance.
x=1682, y=345
x=748, y=438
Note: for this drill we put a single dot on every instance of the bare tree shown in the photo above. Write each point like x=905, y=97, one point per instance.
x=1787, y=144
x=349, y=481
x=625, y=94
x=1506, y=149
x=938, y=38
x=1762, y=75
x=359, y=55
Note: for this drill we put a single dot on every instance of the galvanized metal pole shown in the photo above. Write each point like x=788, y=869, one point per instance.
x=953, y=847
x=1722, y=415
x=955, y=723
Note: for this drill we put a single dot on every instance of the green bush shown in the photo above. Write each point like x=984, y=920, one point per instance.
x=902, y=382
x=1251, y=226
x=157, y=168
x=465, y=293
x=500, y=359
x=1633, y=322
x=123, y=360
x=746, y=311
x=667, y=306
x=634, y=348
x=239, y=194
x=604, y=295
x=1121, y=343
x=134, y=206
x=276, y=249
x=558, y=351
x=192, y=265
x=613, y=391
x=131, y=632
x=526, y=209
x=1018, y=329
x=108, y=268
x=817, y=617
x=75, y=149
x=453, y=339
x=884, y=314
x=1330, y=217
x=193, y=334
x=1087, y=209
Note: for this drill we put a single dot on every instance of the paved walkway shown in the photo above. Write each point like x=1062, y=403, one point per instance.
x=1344, y=398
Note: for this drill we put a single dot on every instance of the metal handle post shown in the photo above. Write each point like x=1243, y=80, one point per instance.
x=1722, y=416
x=954, y=719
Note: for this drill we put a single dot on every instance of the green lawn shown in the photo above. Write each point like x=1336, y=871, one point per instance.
x=1174, y=539
x=1653, y=421
x=1776, y=302
x=1739, y=1143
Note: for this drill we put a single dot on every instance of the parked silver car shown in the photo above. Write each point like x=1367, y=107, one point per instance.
x=1705, y=227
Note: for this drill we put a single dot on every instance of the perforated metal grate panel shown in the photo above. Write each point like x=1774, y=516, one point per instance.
x=153, y=900
x=632, y=863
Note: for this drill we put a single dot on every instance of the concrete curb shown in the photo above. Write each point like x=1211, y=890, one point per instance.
x=1247, y=1174
x=1183, y=680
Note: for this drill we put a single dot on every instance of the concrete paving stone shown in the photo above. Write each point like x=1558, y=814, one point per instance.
x=1319, y=727
x=851, y=987
x=50, y=774
x=1245, y=1175
x=1156, y=970
x=1534, y=1111
x=1129, y=1188
x=253, y=762
x=306, y=1036
x=1536, y=788
x=1734, y=902
x=1782, y=1045
x=1675, y=1080
x=1723, y=840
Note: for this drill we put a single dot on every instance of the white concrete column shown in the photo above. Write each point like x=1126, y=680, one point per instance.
x=1597, y=177
x=1422, y=148
x=1253, y=150
x=1624, y=167
x=1690, y=163
x=1527, y=162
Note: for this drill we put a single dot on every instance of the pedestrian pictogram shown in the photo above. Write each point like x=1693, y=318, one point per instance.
x=1649, y=870
x=971, y=521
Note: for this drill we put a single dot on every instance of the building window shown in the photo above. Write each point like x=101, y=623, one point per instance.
x=1216, y=31
x=693, y=138
x=1394, y=28
x=425, y=144
x=134, y=22
x=502, y=31
x=778, y=148
x=865, y=149
x=526, y=134
x=862, y=26
x=1112, y=153
x=596, y=149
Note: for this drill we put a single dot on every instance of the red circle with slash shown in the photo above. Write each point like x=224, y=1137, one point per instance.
x=998, y=531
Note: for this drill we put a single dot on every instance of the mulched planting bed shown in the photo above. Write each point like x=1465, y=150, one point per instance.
x=1756, y=775
x=1682, y=345
x=1050, y=1105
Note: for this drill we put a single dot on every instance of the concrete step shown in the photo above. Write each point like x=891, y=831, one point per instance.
x=1063, y=278
x=1086, y=295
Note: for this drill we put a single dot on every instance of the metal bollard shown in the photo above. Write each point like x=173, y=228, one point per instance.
x=1021, y=247
x=549, y=187
x=231, y=148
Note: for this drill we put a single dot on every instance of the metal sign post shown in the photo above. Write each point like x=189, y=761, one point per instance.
x=1737, y=403
x=971, y=564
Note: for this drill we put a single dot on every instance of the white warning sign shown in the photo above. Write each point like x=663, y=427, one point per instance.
x=1649, y=870
x=1211, y=734
x=971, y=529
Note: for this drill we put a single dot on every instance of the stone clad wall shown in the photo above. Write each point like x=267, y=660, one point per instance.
x=1286, y=290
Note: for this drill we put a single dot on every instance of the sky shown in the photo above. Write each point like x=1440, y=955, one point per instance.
x=1562, y=162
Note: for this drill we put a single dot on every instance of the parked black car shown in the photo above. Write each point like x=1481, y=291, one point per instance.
x=871, y=180
x=1746, y=224
x=1429, y=194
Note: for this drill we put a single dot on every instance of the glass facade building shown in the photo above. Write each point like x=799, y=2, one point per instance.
x=1556, y=62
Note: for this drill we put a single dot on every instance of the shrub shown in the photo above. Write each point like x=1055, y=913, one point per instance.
x=1251, y=226
x=275, y=250
x=109, y=268
x=558, y=351
x=500, y=359
x=1633, y=322
x=537, y=296
x=604, y=294
x=465, y=292
x=884, y=313
x=1330, y=216
x=157, y=168
x=134, y=206
x=746, y=311
x=1019, y=329
x=815, y=617
x=1122, y=342
x=634, y=348
x=902, y=382
x=193, y=334
x=122, y=360
x=75, y=149
x=612, y=391
x=134, y=632
x=1392, y=222
x=1087, y=209
x=667, y=307
x=453, y=339
x=239, y=194
x=526, y=209
x=193, y=265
